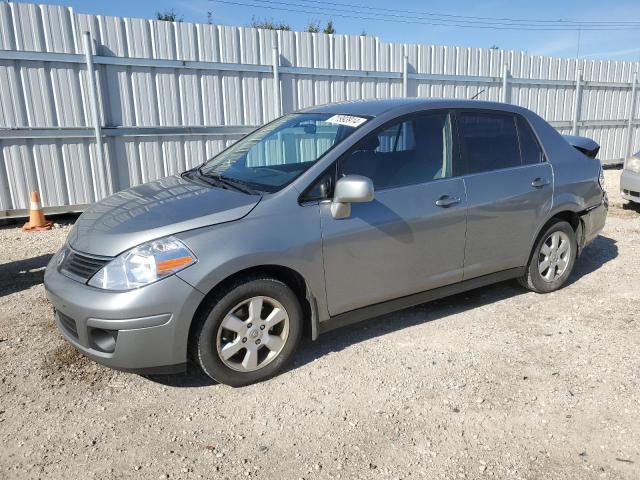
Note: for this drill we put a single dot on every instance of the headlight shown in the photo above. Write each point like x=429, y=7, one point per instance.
x=60, y=256
x=633, y=164
x=144, y=264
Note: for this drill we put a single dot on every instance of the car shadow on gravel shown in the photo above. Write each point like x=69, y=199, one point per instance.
x=595, y=255
x=341, y=338
x=194, y=377
x=631, y=207
x=22, y=274
x=600, y=251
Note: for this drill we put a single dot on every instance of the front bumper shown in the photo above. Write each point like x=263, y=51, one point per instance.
x=630, y=186
x=145, y=329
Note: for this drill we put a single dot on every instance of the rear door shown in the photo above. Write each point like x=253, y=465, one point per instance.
x=509, y=189
x=410, y=238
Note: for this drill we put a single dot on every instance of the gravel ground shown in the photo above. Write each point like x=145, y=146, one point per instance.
x=496, y=382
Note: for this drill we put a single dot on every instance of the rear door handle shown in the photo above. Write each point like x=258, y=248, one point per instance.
x=446, y=201
x=540, y=182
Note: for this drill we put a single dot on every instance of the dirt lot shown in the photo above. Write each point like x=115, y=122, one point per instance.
x=493, y=383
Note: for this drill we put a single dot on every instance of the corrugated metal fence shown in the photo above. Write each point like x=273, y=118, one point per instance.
x=169, y=95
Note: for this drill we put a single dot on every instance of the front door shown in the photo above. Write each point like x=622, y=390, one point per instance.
x=411, y=237
x=509, y=190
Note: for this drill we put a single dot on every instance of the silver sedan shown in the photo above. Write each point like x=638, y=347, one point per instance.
x=630, y=179
x=319, y=219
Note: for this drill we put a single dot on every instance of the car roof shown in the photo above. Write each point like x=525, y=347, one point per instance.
x=374, y=108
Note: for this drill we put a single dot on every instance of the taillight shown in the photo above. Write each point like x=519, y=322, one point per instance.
x=601, y=178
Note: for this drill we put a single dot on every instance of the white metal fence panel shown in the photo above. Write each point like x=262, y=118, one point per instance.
x=170, y=95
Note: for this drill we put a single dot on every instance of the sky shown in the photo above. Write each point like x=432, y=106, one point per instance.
x=592, y=44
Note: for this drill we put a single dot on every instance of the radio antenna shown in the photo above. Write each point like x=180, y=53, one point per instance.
x=476, y=95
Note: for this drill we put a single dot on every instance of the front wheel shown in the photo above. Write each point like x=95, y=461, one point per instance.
x=248, y=332
x=552, y=260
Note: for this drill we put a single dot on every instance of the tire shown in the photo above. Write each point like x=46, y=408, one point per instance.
x=546, y=281
x=253, y=335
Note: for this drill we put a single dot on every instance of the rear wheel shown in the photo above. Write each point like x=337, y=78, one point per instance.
x=552, y=260
x=248, y=332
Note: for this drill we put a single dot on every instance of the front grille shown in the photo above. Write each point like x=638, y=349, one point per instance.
x=69, y=324
x=82, y=266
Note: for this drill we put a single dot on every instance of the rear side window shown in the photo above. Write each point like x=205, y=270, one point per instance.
x=529, y=146
x=489, y=141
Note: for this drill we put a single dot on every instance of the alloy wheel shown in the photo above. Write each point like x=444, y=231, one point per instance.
x=252, y=334
x=554, y=257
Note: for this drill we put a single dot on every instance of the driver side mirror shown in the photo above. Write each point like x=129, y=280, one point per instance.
x=350, y=189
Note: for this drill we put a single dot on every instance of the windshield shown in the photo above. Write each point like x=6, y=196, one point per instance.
x=273, y=156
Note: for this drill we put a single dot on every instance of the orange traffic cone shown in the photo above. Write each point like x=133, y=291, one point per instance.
x=37, y=222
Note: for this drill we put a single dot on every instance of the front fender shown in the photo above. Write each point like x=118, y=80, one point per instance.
x=288, y=239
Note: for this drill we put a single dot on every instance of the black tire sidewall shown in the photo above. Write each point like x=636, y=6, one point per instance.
x=539, y=284
x=205, y=342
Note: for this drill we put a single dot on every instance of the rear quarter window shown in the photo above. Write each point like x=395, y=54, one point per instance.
x=529, y=146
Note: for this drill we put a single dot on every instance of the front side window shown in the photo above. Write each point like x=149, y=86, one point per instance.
x=489, y=141
x=408, y=152
x=322, y=188
x=273, y=156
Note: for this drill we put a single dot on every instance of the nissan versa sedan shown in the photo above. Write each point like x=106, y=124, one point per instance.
x=320, y=219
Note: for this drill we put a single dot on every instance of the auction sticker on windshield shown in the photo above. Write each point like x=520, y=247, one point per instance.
x=348, y=120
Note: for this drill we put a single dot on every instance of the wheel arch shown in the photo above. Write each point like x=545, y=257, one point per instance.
x=571, y=214
x=290, y=277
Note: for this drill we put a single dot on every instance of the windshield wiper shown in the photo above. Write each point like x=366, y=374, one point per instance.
x=230, y=182
x=239, y=184
x=193, y=175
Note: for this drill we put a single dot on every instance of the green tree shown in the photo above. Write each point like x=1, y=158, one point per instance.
x=313, y=27
x=329, y=28
x=169, y=16
x=269, y=24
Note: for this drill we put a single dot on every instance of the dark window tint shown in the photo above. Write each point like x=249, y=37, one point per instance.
x=413, y=151
x=529, y=147
x=321, y=189
x=489, y=141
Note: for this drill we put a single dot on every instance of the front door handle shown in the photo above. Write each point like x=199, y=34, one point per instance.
x=540, y=182
x=446, y=201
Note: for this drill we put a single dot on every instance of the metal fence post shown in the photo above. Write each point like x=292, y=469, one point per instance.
x=505, y=84
x=632, y=113
x=95, y=110
x=577, y=104
x=405, y=76
x=275, y=62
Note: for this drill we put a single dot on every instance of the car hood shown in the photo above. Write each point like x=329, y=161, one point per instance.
x=154, y=210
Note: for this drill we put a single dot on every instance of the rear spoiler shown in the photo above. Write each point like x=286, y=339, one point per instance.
x=583, y=144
